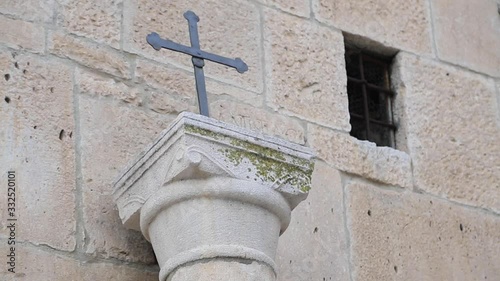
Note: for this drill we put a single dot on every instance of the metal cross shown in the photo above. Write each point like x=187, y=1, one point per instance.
x=198, y=57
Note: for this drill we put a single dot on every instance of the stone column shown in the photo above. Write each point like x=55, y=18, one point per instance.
x=213, y=198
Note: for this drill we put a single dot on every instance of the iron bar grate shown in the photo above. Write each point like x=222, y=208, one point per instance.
x=370, y=98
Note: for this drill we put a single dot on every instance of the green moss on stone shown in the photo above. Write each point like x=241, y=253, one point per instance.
x=273, y=169
x=264, y=151
x=203, y=132
x=270, y=164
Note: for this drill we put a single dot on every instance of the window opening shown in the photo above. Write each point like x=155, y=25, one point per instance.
x=370, y=98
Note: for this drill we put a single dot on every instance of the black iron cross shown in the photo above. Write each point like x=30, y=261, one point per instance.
x=198, y=57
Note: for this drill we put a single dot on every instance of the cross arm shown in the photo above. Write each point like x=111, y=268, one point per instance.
x=157, y=43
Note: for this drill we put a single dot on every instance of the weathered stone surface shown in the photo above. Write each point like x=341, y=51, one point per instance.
x=164, y=103
x=176, y=91
x=37, y=143
x=452, y=131
x=34, y=10
x=89, y=54
x=498, y=102
x=97, y=85
x=474, y=27
x=170, y=90
x=111, y=272
x=399, y=24
x=36, y=264
x=112, y=134
x=259, y=120
x=314, y=246
x=220, y=90
x=19, y=34
x=100, y=21
x=171, y=81
x=298, y=7
x=217, y=270
x=362, y=158
x=407, y=236
x=306, y=72
x=227, y=28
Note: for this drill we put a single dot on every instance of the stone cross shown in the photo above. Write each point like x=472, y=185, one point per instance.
x=198, y=57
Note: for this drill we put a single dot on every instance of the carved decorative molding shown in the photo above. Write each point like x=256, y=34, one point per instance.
x=196, y=147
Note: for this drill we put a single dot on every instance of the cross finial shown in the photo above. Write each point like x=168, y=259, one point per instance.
x=198, y=57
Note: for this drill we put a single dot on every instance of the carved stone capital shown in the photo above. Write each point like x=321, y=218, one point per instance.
x=227, y=191
x=197, y=147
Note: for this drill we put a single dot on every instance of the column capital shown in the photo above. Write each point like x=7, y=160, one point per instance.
x=207, y=190
x=198, y=147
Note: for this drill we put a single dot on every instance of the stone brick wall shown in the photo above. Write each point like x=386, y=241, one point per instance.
x=82, y=93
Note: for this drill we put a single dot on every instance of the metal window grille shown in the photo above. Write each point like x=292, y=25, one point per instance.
x=370, y=98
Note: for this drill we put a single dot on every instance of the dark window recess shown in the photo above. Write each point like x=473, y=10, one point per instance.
x=370, y=98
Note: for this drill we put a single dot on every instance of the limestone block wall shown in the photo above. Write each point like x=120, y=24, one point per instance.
x=81, y=94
